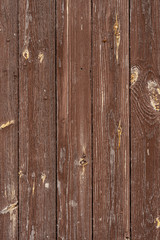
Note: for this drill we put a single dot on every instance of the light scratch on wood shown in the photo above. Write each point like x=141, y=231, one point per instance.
x=33, y=188
x=119, y=134
x=117, y=35
x=40, y=57
x=9, y=208
x=13, y=216
x=158, y=222
x=43, y=177
x=7, y=124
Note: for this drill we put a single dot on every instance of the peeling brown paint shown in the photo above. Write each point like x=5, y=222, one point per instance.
x=154, y=94
x=134, y=74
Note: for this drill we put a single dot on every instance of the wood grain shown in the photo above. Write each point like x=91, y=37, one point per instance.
x=8, y=120
x=111, y=201
x=74, y=175
x=37, y=172
x=145, y=119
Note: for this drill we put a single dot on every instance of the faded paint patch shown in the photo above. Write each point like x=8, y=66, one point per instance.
x=72, y=203
x=154, y=94
x=59, y=187
x=117, y=36
x=7, y=124
x=46, y=185
x=62, y=159
x=32, y=234
x=134, y=74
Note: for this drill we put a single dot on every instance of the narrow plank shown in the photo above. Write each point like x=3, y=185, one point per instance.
x=145, y=116
x=111, y=201
x=74, y=166
x=8, y=120
x=37, y=172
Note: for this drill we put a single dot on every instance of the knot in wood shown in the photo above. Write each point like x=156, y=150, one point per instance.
x=83, y=161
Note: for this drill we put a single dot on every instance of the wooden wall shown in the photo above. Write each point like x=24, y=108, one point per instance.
x=79, y=119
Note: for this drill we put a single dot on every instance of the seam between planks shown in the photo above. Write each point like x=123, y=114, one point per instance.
x=91, y=78
x=56, y=114
x=130, y=120
x=18, y=64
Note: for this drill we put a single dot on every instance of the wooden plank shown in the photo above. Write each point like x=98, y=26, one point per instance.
x=8, y=120
x=74, y=198
x=145, y=115
x=37, y=172
x=111, y=201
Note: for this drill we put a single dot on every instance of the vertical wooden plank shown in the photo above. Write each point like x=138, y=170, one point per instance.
x=74, y=204
x=145, y=119
x=37, y=173
x=8, y=120
x=111, y=205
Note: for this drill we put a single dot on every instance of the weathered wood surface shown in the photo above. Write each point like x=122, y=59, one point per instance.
x=72, y=167
x=8, y=120
x=145, y=116
x=37, y=138
x=111, y=198
x=74, y=176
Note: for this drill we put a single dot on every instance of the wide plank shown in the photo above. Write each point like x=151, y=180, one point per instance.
x=8, y=120
x=111, y=162
x=145, y=119
x=74, y=163
x=37, y=135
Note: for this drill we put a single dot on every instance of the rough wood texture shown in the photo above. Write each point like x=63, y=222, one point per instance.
x=74, y=197
x=111, y=209
x=8, y=120
x=37, y=176
x=72, y=128
x=145, y=119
